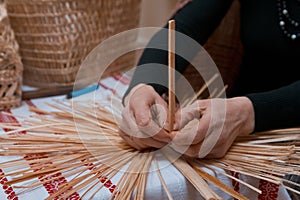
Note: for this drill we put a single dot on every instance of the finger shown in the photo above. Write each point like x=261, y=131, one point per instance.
x=220, y=147
x=163, y=113
x=193, y=133
x=188, y=150
x=152, y=130
x=141, y=113
x=134, y=144
x=159, y=114
x=207, y=141
x=132, y=92
x=175, y=125
x=209, y=135
x=141, y=144
x=153, y=127
x=217, y=153
x=161, y=110
x=150, y=142
x=128, y=124
x=214, y=138
x=185, y=115
x=186, y=135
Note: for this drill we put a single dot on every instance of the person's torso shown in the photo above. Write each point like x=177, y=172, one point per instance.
x=271, y=58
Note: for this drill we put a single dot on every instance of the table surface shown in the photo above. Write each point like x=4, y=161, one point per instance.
x=179, y=187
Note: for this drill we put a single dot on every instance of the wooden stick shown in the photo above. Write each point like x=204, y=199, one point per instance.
x=171, y=74
x=194, y=178
x=220, y=171
x=202, y=89
x=222, y=91
x=59, y=149
x=162, y=180
x=220, y=184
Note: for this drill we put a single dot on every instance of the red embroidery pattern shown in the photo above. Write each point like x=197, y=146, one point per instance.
x=269, y=190
x=29, y=103
x=122, y=78
x=11, y=195
x=52, y=185
x=235, y=184
x=107, y=88
x=7, y=189
x=9, y=119
x=104, y=180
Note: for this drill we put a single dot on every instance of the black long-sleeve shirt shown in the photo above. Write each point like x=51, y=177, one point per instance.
x=268, y=73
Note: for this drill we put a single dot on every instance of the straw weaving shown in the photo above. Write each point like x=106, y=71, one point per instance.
x=59, y=149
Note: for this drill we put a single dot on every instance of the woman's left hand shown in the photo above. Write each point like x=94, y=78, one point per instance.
x=207, y=128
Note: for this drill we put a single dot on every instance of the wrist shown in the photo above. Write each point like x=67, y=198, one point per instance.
x=246, y=110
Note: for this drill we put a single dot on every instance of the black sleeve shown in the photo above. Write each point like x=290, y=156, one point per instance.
x=278, y=108
x=197, y=20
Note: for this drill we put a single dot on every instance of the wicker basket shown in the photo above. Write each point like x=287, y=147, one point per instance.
x=56, y=35
x=11, y=67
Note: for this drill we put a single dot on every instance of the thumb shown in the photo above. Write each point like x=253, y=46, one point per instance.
x=142, y=114
x=159, y=114
x=185, y=115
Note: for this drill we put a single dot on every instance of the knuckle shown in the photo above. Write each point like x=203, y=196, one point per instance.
x=138, y=148
x=123, y=128
x=219, y=154
x=142, y=121
x=191, y=154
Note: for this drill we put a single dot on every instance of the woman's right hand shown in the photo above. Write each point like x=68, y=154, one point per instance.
x=143, y=118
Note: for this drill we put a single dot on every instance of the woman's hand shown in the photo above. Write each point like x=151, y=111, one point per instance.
x=209, y=127
x=144, y=116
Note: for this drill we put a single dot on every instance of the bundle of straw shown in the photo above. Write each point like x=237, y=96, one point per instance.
x=81, y=141
x=84, y=145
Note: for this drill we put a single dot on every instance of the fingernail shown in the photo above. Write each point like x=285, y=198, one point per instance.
x=143, y=122
x=176, y=126
x=166, y=126
x=166, y=123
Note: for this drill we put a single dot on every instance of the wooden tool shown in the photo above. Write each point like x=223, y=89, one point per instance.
x=171, y=73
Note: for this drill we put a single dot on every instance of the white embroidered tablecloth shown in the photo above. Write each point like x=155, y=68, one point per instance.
x=179, y=187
